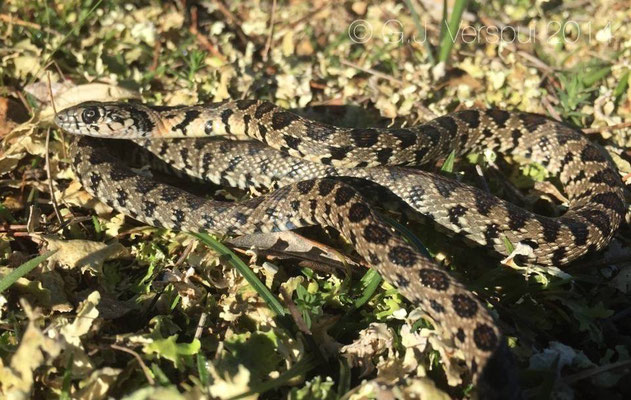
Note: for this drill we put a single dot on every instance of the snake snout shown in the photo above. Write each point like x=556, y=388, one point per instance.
x=65, y=121
x=60, y=119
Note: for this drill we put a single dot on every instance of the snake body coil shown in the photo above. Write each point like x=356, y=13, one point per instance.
x=299, y=154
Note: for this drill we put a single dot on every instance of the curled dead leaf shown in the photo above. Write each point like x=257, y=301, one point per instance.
x=35, y=350
x=84, y=254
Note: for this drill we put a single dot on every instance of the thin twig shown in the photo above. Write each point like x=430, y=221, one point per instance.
x=51, y=188
x=156, y=55
x=25, y=103
x=73, y=221
x=236, y=22
x=268, y=44
x=372, y=71
x=550, y=108
x=481, y=179
x=537, y=63
x=595, y=371
x=608, y=128
x=185, y=254
x=203, y=40
x=143, y=366
x=295, y=313
x=16, y=234
x=227, y=13
x=10, y=19
x=200, y=325
x=308, y=16
x=59, y=71
x=13, y=228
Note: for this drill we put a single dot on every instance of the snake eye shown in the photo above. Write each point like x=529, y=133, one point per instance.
x=90, y=115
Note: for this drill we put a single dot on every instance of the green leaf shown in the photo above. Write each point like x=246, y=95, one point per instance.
x=535, y=171
x=171, y=350
x=272, y=302
x=256, y=351
x=300, y=368
x=22, y=270
x=309, y=304
x=317, y=388
x=587, y=314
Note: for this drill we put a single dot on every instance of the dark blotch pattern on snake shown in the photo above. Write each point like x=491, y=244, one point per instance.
x=307, y=197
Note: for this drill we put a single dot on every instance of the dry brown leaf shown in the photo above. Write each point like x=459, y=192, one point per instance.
x=75, y=195
x=16, y=380
x=225, y=386
x=41, y=92
x=87, y=312
x=11, y=113
x=377, y=339
x=84, y=254
x=97, y=385
x=291, y=244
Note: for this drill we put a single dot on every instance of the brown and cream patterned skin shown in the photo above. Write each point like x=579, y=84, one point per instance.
x=310, y=151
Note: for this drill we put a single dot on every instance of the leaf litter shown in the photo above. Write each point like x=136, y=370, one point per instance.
x=193, y=322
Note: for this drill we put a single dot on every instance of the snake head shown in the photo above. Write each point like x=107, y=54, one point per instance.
x=106, y=120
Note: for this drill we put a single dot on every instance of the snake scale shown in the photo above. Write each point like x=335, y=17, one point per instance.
x=300, y=156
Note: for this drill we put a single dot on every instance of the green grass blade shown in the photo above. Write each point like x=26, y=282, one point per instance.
x=443, y=22
x=271, y=300
x=370, y=282
x=161, y=377
x=421, y=29
x=22, y=270
x=204, y=377
x=6, y=214
x=63, y=40
x=67, y=381
x=344, y=381
x=449, y=36
x=508, y=245
x=596, y=75
x=448, y=165
x=622, y=85
x=371, y=279
x=407, y=235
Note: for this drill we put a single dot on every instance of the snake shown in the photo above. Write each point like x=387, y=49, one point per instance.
x=302, y=161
